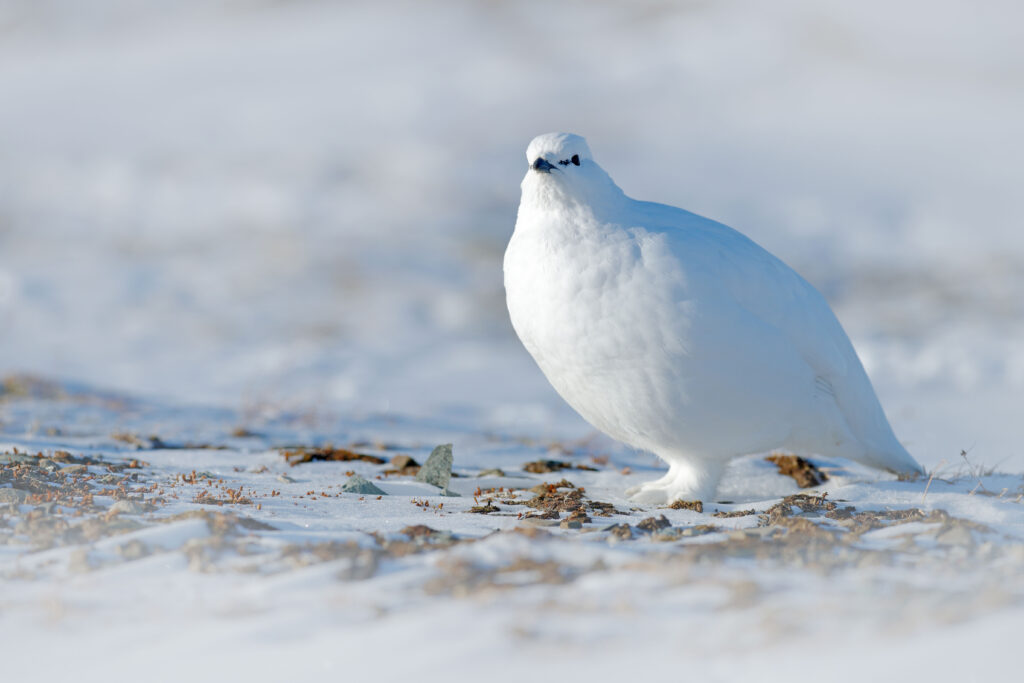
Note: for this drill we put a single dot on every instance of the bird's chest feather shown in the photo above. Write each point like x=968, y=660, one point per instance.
x=595, y=300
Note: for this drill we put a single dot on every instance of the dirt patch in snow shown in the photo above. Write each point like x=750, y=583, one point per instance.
x=563, y=496
x=548, y=466
x=297, y=456
x=804, y=472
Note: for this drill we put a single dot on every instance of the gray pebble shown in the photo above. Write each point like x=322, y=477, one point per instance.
x=492, y=473
x=357, y=484
x=437, y=470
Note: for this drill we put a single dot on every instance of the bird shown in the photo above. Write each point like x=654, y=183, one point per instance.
x=678, y=335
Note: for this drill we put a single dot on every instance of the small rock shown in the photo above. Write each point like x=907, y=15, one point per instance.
x=580, y=515
x=438, y=468
x=285, y=479
x=621, y=532
x=422, y=534
x=571, y=524
x=652, y=524
x=403, y=465
x=419, y=531
x=494, y=472
x=400, y=462
x=73, y=469
x=16, y=496
x=695, y=505
x=129, y=507
x=667, y=535
x=357, y=484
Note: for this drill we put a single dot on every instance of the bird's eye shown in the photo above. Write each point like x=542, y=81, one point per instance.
x=575, y=159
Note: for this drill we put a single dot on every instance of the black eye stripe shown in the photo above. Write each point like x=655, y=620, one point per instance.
x=575, y=161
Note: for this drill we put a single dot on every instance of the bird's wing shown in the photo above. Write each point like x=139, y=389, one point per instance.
x=759, y=282
x=777, y=295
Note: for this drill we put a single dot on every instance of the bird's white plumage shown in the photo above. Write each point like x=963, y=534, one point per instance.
x=678, y=335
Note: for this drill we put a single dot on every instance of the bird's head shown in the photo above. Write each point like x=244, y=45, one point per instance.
x=557, y=151
x=561, y=168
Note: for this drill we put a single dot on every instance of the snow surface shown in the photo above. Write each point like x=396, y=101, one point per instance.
x=303, y=580
x=290, y=217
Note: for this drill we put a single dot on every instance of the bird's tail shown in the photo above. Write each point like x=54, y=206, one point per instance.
x=893, y=458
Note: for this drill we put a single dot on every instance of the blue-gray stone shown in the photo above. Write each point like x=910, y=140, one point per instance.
x=437, y=470
x=357, y=484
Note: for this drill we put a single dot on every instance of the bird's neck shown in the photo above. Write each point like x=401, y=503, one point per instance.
x=593, y=193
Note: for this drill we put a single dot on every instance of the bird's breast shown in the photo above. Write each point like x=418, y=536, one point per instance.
x=604, y=313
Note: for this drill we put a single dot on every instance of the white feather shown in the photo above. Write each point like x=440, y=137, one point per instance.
x=679, y=335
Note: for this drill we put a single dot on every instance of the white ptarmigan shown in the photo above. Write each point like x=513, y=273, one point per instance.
x=678, y=335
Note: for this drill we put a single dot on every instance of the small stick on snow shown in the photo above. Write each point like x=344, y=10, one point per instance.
x=930, y=477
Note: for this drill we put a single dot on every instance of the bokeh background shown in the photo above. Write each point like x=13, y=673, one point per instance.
x=305, y=203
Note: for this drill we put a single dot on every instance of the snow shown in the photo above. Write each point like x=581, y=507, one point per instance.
x=290, y=217
x=305, y=580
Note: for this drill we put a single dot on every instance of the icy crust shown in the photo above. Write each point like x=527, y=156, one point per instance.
x=231, y=538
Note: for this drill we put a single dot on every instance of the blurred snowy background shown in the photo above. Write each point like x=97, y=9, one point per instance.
x=304, y=203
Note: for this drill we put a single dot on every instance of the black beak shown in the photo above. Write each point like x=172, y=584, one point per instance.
x=542, y=166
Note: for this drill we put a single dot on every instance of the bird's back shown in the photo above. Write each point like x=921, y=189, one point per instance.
x=779, y=297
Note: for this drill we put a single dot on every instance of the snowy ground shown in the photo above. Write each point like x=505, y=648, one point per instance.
x=288, y=217
x=186, y=543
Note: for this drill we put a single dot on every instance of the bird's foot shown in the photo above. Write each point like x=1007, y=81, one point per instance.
x=680, y=483
x=651, y=493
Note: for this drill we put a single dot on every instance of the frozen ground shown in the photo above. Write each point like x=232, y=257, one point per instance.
x=187, y=545
x=289, y=217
